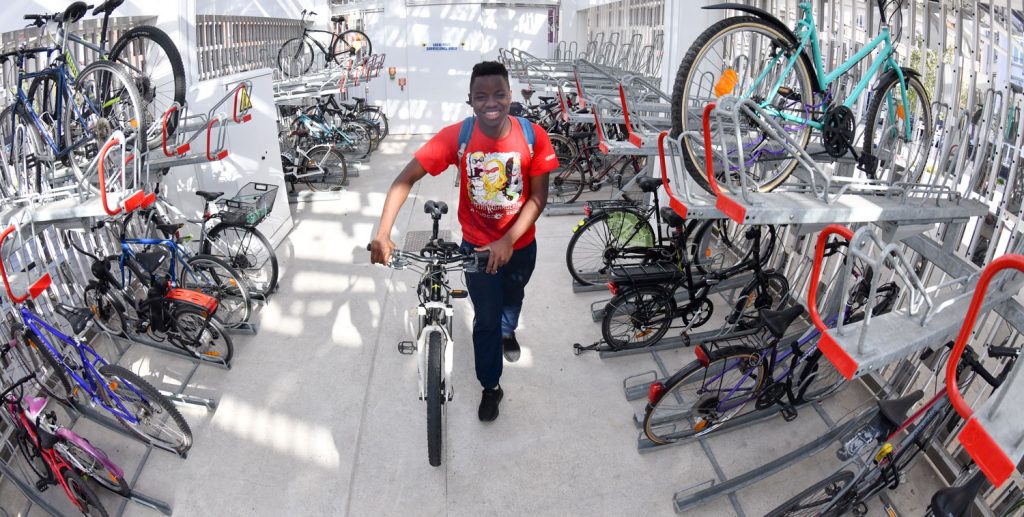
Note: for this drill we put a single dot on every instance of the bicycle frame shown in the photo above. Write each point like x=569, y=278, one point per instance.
x=808, y=34
x=90, y=360
x=179, y=254
x=54, y=462
x=62, y=77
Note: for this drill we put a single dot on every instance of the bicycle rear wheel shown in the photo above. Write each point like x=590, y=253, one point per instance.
x=295, y=57
x=720, y=245
x=81, y=494
x=812, y=501
x=354, y=44
x=900, y=159
x=248, y=251
x=817, y=378
x=213, y=276
x=435, y=394
x=156, y=419
x=207, y=340
x=375, y=116
x=90, y=466
x=597, y=244
x=638, y=317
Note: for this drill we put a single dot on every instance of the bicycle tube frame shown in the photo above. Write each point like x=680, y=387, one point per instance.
x=63, y=86
x=35, y=324
x=179, y=254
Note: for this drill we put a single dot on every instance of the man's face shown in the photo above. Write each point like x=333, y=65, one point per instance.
x=490, y=96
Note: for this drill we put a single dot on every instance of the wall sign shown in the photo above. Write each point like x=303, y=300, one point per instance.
x=442, y=47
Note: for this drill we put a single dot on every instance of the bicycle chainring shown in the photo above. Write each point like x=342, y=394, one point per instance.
x=770, y=396
x=698, y=314
x=838, y=131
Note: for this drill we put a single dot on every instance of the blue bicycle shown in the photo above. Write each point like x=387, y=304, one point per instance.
x=90, y=106
x=758, y=57
x=68, y=369
x=752, y=367
x=207, y=274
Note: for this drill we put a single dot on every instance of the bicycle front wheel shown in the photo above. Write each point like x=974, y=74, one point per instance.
x=810, y=502
x=375, y=116
x=638, y=317
x=85, y=498
x=719, y=245
x=770, y=292
x=598, y=243
x=154, y=61
x=352, y=44
x=295, y=57
x=202, y=336
x=211, y=275
x=817, y=379
x=248, y=251
x=698, y=399
x=727, y=59
x=87, y=464
x=157, y=421
x=435, y=396
x=899, y=137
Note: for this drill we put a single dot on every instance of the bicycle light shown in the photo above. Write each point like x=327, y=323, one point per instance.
x=613, y=288
x=655, y=392
x=459, y=293
x=587, y=209
x=702, y=355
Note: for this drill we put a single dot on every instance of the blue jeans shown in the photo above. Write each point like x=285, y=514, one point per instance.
x=497, y=301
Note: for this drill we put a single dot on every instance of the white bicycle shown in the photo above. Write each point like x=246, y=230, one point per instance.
x=434, y=314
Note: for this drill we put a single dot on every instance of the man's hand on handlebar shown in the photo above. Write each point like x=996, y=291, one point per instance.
x=381, y=249
x=501, y=253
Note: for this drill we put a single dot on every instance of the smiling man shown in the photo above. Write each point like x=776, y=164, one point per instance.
x=503, y=162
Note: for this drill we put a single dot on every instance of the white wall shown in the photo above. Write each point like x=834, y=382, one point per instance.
x=266, y=8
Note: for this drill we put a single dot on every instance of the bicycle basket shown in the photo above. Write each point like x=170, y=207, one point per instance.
x=250, y=206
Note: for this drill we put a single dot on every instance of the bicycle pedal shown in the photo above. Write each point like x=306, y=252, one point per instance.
x=42, y=485
x=788, y=413
x=406, y=347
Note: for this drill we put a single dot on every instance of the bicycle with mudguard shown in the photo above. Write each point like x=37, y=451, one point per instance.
x=434, y=338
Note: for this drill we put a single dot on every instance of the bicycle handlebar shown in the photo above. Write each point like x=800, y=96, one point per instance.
x=19, y=382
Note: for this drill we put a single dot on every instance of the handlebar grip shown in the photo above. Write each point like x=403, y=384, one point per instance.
x=368, y=247
x=971, y=359
x=1003, y=351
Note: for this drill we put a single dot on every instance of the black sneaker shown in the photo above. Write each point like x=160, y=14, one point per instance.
x=489, y=404
x=510, y=347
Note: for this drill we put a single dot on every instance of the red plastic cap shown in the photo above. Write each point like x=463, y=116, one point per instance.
x=986, y=453
x=39, y=286
x=702, y=356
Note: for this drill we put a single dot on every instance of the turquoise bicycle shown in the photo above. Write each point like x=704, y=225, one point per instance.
x=759, y=58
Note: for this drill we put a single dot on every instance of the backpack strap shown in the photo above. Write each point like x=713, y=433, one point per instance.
x=464, y=134
x=528, y=133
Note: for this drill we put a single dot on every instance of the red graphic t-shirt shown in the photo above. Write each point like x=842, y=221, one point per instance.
x=495, y=177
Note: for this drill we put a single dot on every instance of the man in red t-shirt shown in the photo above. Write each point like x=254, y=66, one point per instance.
x=502, y=192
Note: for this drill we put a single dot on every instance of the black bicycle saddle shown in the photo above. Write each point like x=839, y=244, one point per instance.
x=779, y=321
x=73, y=13
x=894, y=411
x=955, y=501
x=648, y=183
x=107, y=7
x=435, y=208
x=78, y=317
x=209, y=196
x=671, y=217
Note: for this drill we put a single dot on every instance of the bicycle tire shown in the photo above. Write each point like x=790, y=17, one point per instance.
x=659, y=415
x=889, y=134
x=107, y=311
x=633, y=312
x=435, y=409
x=147, y=402
x=50, y=374
x=302, y=60
x=97, y=107
x=594, y=240
x=247, y=250
x=357, y=45
x=817, y=495
x=817, y=378
x=88, y=465
x=160, y=80
x=565, y=184
x=85, y=499
x=21, y=179
x=754, y=298
x=333, y=168
x=213, y=276
x=31, y=454
x=356, y=143
x=377, y=117
x=691, y=112
x=726, y=237
x=214, y=344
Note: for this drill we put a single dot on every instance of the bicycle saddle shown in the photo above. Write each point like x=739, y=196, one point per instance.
x=73, y=13
x=359, y=100
x=894, y=411
x=435, y=208
x=648, y=183
x=78, y=317
x=169, y=229
x=671, y=217
x=150, y=260
x=209, y=196
x=107, y=7
x=955, y=501
x=779, y=321
x=338, y=19
x=348, y=105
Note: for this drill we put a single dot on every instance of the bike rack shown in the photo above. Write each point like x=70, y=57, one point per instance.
x=331, y=80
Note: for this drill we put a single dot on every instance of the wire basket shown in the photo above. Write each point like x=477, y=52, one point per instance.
x=250, y=206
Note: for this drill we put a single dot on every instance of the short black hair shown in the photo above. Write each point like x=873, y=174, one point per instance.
x=484, y=68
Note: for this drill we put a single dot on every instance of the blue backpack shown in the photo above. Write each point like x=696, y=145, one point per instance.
x=467, y=131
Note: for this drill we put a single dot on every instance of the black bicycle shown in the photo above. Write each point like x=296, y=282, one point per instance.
x=296, y=55
x=644, y=304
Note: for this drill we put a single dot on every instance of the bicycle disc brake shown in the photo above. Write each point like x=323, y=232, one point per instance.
x=838, y=132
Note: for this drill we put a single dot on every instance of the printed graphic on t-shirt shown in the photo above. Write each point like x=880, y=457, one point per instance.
x=495, y=184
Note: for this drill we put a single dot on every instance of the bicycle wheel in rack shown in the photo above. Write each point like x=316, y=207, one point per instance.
x=698, y=399
x=816, y=379
x=375, y=116
x=87, y=464
x=84, y=497
x=157, y=420
x=726, y=59
x=719, y=245
x=900, y=158
x=597, y=243
x=207, y=340
x=435, y=394
x=813, y=500
x=27, y=150
x=638, y=317
x=295, y=57
x=213, y=276
x=352, y=44
x=248, y=251
x=50, y=374
x=151, y=57
x=770, y=293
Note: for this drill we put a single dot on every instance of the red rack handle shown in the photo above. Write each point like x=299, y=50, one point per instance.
x=579, y=91
x=103, y=177
x=672, y=202
x=223, y=153
x=633, y=137
x=246, y=116
x=174, y=107
x=561, y=100
x=839, y=358
x=601, y=143
x=734, y=210
x=37, y=287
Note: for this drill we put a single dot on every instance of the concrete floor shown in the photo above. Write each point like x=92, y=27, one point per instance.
x=319, y=414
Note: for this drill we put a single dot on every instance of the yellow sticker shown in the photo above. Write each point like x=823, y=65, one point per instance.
x=244, y=102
